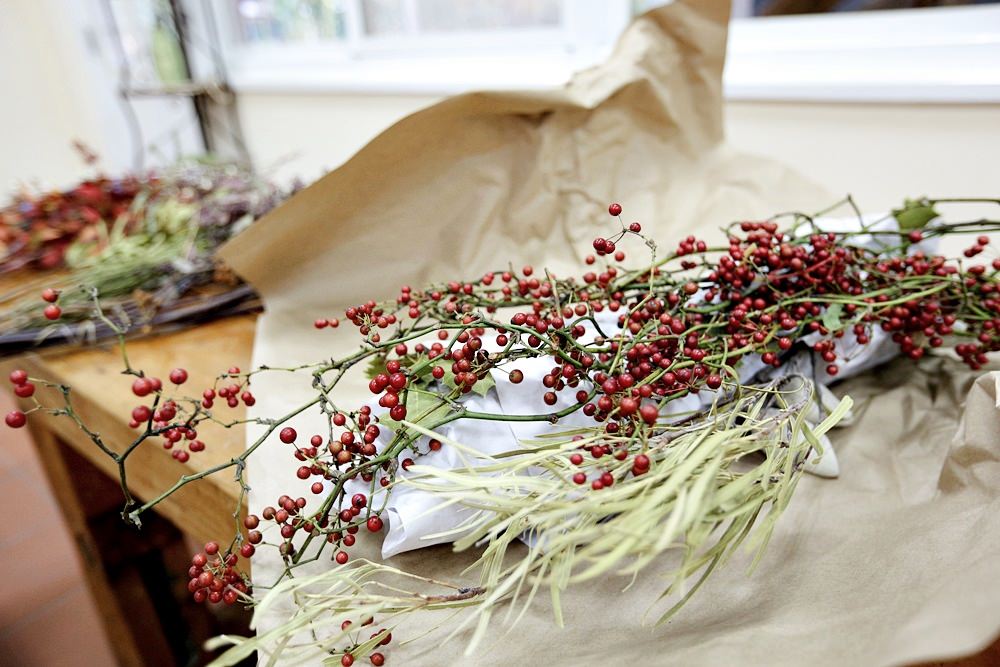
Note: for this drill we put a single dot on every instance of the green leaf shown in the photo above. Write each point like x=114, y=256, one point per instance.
x=421, y=407
x=375, y=366
x=483, y=386
x=831, y=318
x=915, y=214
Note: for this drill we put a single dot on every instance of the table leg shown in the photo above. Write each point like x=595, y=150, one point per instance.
x=137, y=578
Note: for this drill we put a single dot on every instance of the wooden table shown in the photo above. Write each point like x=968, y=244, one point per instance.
x=138, y=577
x=139, y=580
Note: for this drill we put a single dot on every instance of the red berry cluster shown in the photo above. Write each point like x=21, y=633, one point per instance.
x=214, y=577
x=176, y=419
x=340, y=529
x=52, y=311
x=606, y=478
x=38, y=230
x=23, y=388
x=376, y=658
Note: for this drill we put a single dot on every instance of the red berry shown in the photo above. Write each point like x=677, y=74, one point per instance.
x=178, y=376
x=287, y=435
x=641, y=462
x=377, y=659
x=916, y=236
x=212, y=548
x=321, y=323
x=374, y=524
x=50, y=295
x=516, y=376
x=52, y=312
x=649, y=414
x=713, y=381
x=347, y=659
x=635, y=227
x=615, y=209
x=25, y=390
x=579, y=478
x=16, y=419
x=342, y=557
x=359, y=500
x=18, y=376
x=142, y=387
x=576, y=459
x=247, y=550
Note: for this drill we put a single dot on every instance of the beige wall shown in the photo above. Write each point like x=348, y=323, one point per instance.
x=308, y=135
x=40, y=112
x=59, y=81
x=878, y=153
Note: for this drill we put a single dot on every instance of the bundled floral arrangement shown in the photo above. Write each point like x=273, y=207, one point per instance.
x=667, y=408
x=144, y=242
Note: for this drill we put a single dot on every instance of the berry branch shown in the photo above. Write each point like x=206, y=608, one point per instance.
x=624, y=477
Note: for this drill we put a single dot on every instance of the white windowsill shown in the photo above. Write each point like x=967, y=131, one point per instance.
x=913, y=56
x=418, y=75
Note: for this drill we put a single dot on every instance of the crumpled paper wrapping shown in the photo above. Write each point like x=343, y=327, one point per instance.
x=894, y=563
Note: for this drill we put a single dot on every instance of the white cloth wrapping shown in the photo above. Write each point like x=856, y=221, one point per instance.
x=417, y=518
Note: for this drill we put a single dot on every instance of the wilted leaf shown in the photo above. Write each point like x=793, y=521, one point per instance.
x=915, y=214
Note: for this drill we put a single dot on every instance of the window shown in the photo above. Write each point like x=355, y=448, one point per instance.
x=304, y=21
x=420, y=46
x=290, y=21
x=447, y=46
x=913, y=55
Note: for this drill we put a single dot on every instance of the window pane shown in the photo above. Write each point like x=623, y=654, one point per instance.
x=300, y=21
x=384, y=17
x=430, y=16
x=450, y=15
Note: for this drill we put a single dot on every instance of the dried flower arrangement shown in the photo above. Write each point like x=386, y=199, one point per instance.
x=620, y=475
x=145, y=243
